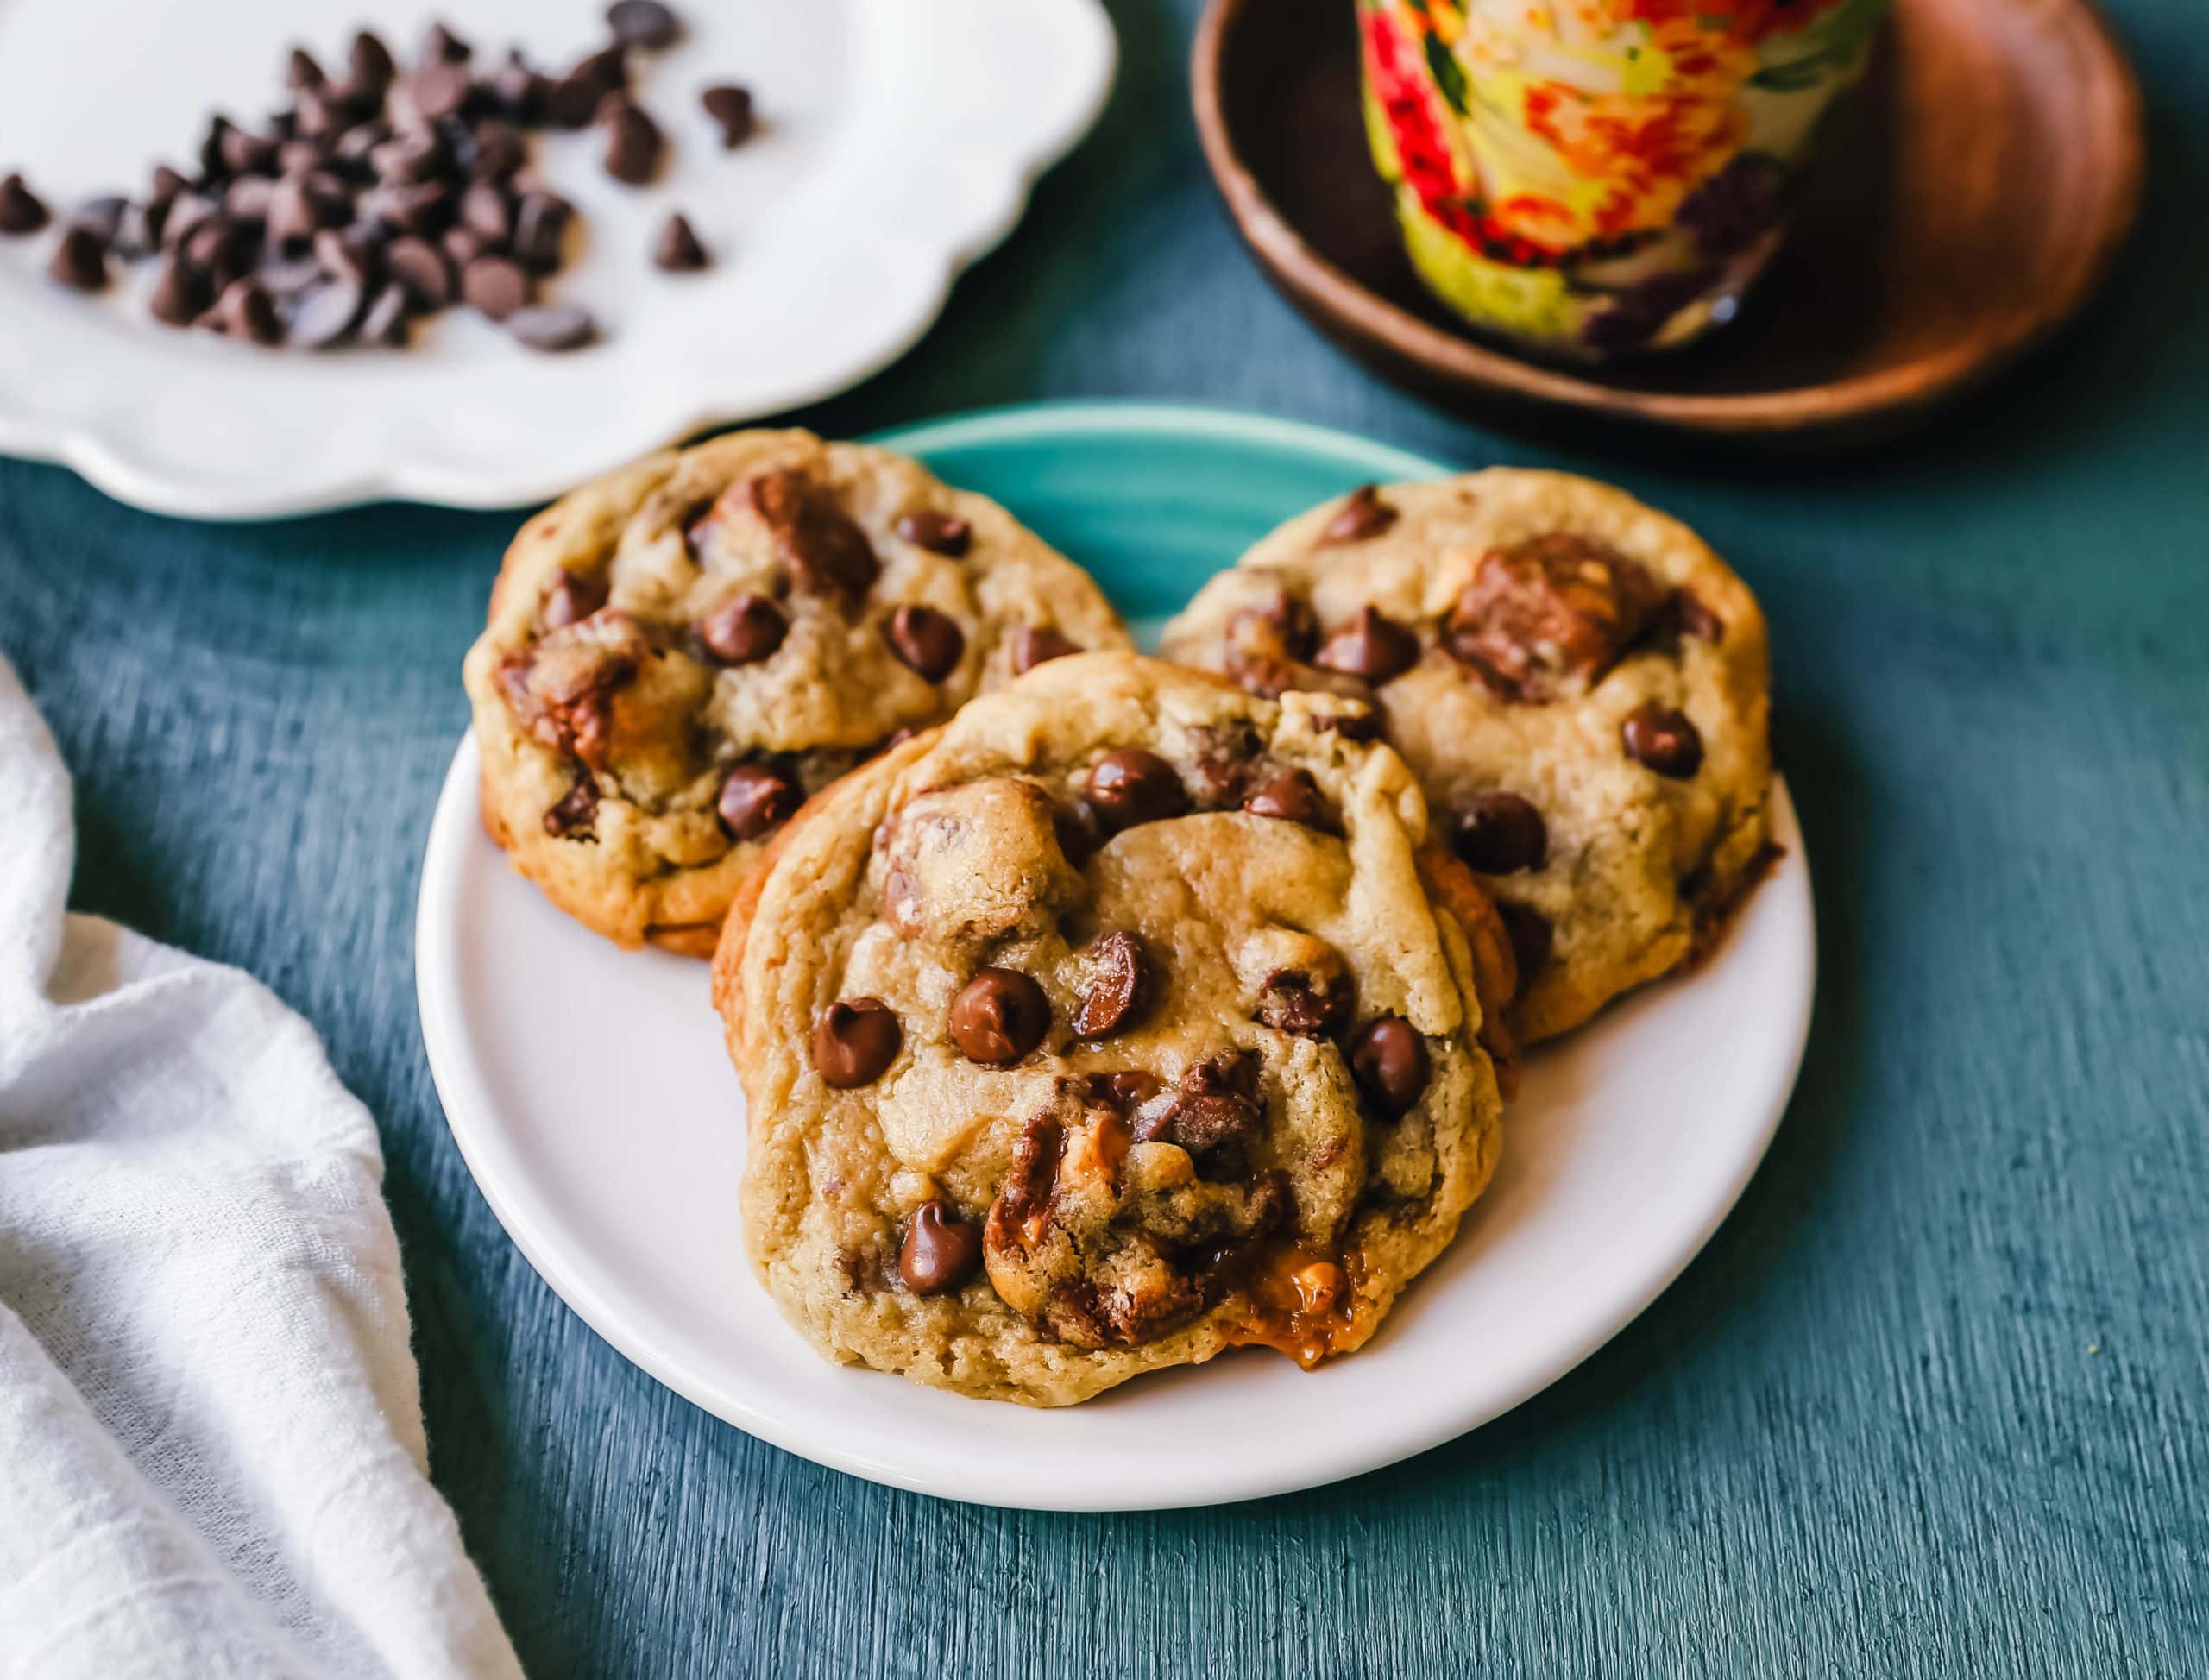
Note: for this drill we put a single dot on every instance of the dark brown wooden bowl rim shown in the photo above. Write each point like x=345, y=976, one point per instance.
x=1325, y=292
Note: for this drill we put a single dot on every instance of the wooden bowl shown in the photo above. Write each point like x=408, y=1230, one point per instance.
x=1967, y=201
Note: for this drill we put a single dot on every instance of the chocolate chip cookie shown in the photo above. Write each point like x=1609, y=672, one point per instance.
x=1114, y=1023
x=679, y=653
x=1579, y=684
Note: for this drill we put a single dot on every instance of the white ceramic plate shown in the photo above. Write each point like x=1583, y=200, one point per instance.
x=589, y=1092
x=899, y=139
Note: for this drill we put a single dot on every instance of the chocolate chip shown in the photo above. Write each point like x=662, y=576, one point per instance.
x=731, y=108
x=1130, y=785
x=541, y=226
x=323, y=315
x=1034, y=645
x=578, y=810
x=1388, y=1060
x=461, y=246
x=499, y=152
x=495, y=286
x=21, y=210
x=1499, y=832
x=642, y=23
x=220, y=247
x=1363, y=514
x=79, y=260
x=1370, y=646
x=813, y=532
x=246, y=310
x=244, y=153
x=676, y=249
x=1529, y=934
x=421, y=272
x=301, y=70
x=297, y=207
x=743, y=631
x=1124, y=1090
x=385, y=318
x=165, y=186
x=1293, y=796
x=287, y=277
x=1553, y=611
x=185, y=213
x=370, y=63
x=1309, y=1005
x=939, y=533
x=1664, y=739
x=927, y=641
x=103, y=215
x=441, y=46
x=488, y=212
x=518, y=90
x=1118, y=969
x=940, y=1250
x=572, y=597
x=998, y=1016
x=434, y=91
x=181, y=292
x=633, y=142
x=246, y=200
x=553, y=327
x=418, y=155
x=854, y=1041
x=1215, y=1114
x=755, y=800
x=355, y=253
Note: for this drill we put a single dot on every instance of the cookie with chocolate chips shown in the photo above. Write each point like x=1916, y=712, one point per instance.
x=1125, y=1018
x=1579, y=684
x=680, y=653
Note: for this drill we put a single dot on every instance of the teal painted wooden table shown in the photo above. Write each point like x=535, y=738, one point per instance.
x=1934, y=1401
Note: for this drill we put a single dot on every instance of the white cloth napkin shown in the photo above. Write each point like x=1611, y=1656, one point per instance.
x=211, y=1454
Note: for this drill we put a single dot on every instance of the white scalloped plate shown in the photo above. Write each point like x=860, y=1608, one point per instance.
x=589, y=1091
x=899, y=139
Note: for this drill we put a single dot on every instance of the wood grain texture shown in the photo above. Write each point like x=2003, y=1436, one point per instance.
x=1935, y=1401
x=1965, y=204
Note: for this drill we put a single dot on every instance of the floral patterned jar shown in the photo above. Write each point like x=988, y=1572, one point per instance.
x=1595, y=177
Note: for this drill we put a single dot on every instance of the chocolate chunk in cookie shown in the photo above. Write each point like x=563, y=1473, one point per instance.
x=1550, y=615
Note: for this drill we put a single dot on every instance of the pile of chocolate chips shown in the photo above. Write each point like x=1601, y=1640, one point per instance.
x=383, y=195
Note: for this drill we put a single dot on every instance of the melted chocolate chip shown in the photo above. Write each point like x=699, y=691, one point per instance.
x=1293, y=796
x=1664, y=739
x=1307, y=1006
x=1371, y=646
x=813, y=534
x=1124, y=1090
x=1119, y=971
x=1351, y=726
x=743, y=631
x=1553, y=611
x=1388, y=1060
x=1693, y=619
x=1214, y=1114
x=998, y=1016
x=755, y=800
x=1295, y=623
x=940, y=1250
x=1026, y=1193
x=578, y=810
x=926, y=641
x=1130, y=785
x=1529, y=934
x=854, y=1041
x=574, y=596
x=939, y=533
x=1034, y=645
x=1499, y=832
x=1363, y=514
